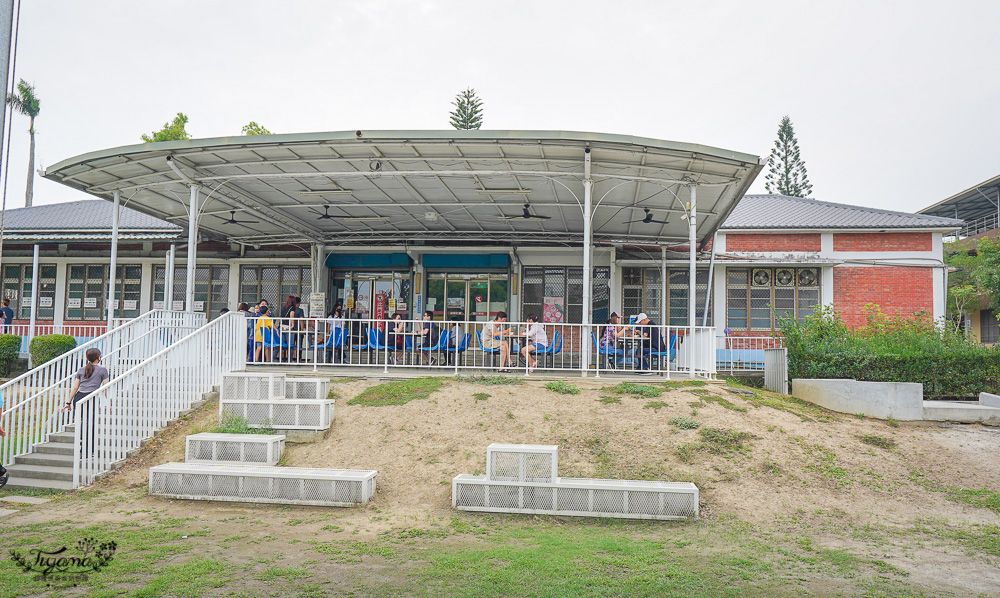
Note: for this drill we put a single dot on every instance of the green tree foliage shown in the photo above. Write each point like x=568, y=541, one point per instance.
x=974, y=282
x=252, y=128
x=786, y=171
x=171, y=131
x=468, y=112
x=894, y=348
x=26, y=102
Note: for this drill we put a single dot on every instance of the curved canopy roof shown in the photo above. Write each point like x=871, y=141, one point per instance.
x=398, y=187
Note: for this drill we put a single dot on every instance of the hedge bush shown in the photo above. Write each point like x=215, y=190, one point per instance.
x=10, y=347
x=49, y=346
x=891, y=349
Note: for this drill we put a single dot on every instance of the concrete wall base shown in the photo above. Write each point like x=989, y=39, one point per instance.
x=303, y=436
x=903, y=401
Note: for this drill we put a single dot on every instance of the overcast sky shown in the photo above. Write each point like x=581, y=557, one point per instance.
x=895, y=104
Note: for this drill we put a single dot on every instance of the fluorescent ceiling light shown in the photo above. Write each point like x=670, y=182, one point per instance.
x=504, y=191
x=327, y=192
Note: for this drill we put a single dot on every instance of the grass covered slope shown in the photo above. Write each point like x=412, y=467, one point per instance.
x=795, y=500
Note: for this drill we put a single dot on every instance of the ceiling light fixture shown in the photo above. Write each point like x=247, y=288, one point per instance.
x=504, y=191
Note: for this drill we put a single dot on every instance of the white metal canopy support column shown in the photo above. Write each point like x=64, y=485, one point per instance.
x=168, y=282
x=588, y=196
x=692, y=272
x=663, y=285
x=192, y=255
x=113, y=270
x=34, y=299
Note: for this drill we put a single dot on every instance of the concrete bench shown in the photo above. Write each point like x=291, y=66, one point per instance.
x=284, y=485
x=252, y=386
x=306, y=388
x=624, y=499
x=239, y=449
x=522, y=462
x=283, y=414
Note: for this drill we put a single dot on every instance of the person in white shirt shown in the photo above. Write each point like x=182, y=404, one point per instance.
x=535, y=341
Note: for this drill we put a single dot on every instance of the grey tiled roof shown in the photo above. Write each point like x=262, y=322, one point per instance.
x=782, y=211
x=83, y=215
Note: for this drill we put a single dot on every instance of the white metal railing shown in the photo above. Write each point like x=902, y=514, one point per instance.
x=979, y=225
x=31, y=402
x=570, y=347
x=744, y=353
x=143, y=398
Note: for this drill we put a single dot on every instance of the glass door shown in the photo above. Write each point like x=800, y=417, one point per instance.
x=457, y=300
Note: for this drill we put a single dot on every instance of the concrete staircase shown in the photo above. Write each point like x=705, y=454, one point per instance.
x=50, y=464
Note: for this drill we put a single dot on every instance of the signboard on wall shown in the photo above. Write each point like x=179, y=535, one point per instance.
x=317, y=304
x=45, y=302
x=553, y=310
x=131, y=305
x=199, y=306
x=159, y=304
x=114, y=304
x=90, y=301
x=25, y=301
x=73, y=303
x=178, y=306
x=380, y=305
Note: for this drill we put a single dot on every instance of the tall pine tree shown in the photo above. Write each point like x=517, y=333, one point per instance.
x=786, y=171
x=468, y=112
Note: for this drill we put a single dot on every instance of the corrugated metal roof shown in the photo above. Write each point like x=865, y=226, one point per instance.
x=82, y=215
x=784, y=212
x=43, y=236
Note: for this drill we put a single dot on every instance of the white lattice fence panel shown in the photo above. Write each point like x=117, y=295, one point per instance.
x=286, y=485
x=245, y=386
x=522, y=462
x=625, y=499
x=284, y=414
x=239, y=449
x=306, y=388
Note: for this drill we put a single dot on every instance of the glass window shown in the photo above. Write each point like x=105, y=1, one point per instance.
x=757, y=297
x=641, y=290
x=556, y=294
x=18, y=288
x=211, y=289
x=87, y=291
x=274, y=283
x=989, y=328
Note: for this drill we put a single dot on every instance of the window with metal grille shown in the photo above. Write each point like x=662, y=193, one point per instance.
x=211, y=289
x=756, y=298
x=274, y=283
x=17, y=287
x=87, y=291
x=556, y=294
x=989, y=327
x=641, y=290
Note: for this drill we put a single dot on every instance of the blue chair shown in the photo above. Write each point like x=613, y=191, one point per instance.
x=493, y=353
x=459, y=349
x=270, y=340
x=615, y=356
x=554, y=347
x=375, y=343
x=333, y=342
x=442, y=344
x=670, y=352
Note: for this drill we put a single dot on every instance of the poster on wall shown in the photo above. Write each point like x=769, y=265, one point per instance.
x=178, y=306
x=553, y=310
x=73, y=303
x=90, y=301
x=317, y=304
x=131, y=304
x=158, y=304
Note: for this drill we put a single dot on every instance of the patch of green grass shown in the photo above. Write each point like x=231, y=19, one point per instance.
x=562, y=387
x=192, y=578
x=510, y=414
x=824, y=462
x=656, y=405
x=397, y=392
x=684, y=423
x=609, y=400
x=803, y=410
x=977, y=497
x=333, y=395
x=491, y=380
x=480, y=396
x=349, y=550
x=770, y=468
x=234, y=423
x=344, y=380
x=631, y=388
x=708, y=397
x=879, y=441
x=717, y=442
x=892, y=422
x=331, y=528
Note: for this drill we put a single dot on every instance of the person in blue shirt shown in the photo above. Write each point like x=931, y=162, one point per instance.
x=7, y=313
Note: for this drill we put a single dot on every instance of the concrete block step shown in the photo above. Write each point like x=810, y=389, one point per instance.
x=38, y=483
x=44, y=472
x=967, y=413
x=54, y=448
x=53, y=460
x=62, y=438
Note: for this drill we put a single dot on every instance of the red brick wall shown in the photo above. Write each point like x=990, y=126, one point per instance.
x=894, y=289
x=882, y=242
x=773, y=242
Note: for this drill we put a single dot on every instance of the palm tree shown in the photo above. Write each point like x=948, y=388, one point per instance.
x=26, y=102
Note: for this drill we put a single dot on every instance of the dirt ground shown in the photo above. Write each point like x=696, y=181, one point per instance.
x=804, y=471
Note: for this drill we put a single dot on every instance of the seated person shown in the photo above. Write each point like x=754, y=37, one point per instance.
x=428, y=337
x=651, y=339
x=535, y=341
x=492, y=337
x=394, y=338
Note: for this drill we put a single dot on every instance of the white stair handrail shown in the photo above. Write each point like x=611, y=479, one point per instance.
x=117, y=417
